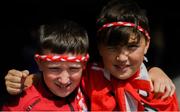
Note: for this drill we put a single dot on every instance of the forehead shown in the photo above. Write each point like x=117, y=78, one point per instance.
x=123, y=36
x=48, y=52
x=124, y=41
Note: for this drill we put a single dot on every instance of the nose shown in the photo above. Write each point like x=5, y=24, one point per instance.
x=122, y=56
x=64, y=78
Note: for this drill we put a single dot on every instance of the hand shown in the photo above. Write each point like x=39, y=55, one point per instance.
x=14, y=81
x=163, y=86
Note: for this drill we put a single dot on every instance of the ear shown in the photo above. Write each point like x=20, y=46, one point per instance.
x=39, y=64
x=147, y=46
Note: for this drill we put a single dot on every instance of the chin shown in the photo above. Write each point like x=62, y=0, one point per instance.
x=124, y=76
x=64, y=95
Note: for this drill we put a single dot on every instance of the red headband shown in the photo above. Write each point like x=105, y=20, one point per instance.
x=120, y=23
x=56, y=58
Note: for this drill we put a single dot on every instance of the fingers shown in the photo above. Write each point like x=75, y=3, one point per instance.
x=14, y=76
x=167, y=92
x=13, y=91
x=25, y=73
x=173, y=89
x=156, y=90
x=156, y=86
x=13, y=85
x=14, y=81
x=163, y=89
x=13, y=88
x=151, y=85
x=163, y=85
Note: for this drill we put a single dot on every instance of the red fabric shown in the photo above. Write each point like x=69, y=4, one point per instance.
x=109, y=95
x=44, y=99
x=122, y=23
x=57, y=58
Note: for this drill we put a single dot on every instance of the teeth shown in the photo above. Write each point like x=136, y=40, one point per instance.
x=64, y=86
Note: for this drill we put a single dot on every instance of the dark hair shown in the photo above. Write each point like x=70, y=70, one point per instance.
x=125, y=11
x=63, y=37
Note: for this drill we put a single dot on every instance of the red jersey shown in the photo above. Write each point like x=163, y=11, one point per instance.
x=108, y=93
x=40, y=98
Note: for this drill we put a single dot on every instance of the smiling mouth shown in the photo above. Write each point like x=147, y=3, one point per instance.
x=119, y=67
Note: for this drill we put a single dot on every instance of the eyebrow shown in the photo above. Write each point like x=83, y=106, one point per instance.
x=59, y=63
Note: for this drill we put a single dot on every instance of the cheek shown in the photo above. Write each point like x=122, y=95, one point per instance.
x=76, y=77
x=107, y=62
x=137, y=57
x=48, y=78
x=108, y=59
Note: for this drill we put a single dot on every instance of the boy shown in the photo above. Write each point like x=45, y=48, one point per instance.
x=122, y=82
x=61, y=57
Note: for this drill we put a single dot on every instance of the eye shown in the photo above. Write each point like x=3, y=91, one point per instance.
x=54, y=69
x=132, y=47
x=112, y=49
x=74, y=69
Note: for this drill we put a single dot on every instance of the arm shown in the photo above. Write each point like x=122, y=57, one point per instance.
x=16, y=81
x=162, y=84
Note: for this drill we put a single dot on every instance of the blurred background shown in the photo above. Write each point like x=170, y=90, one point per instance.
x=19, y=19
